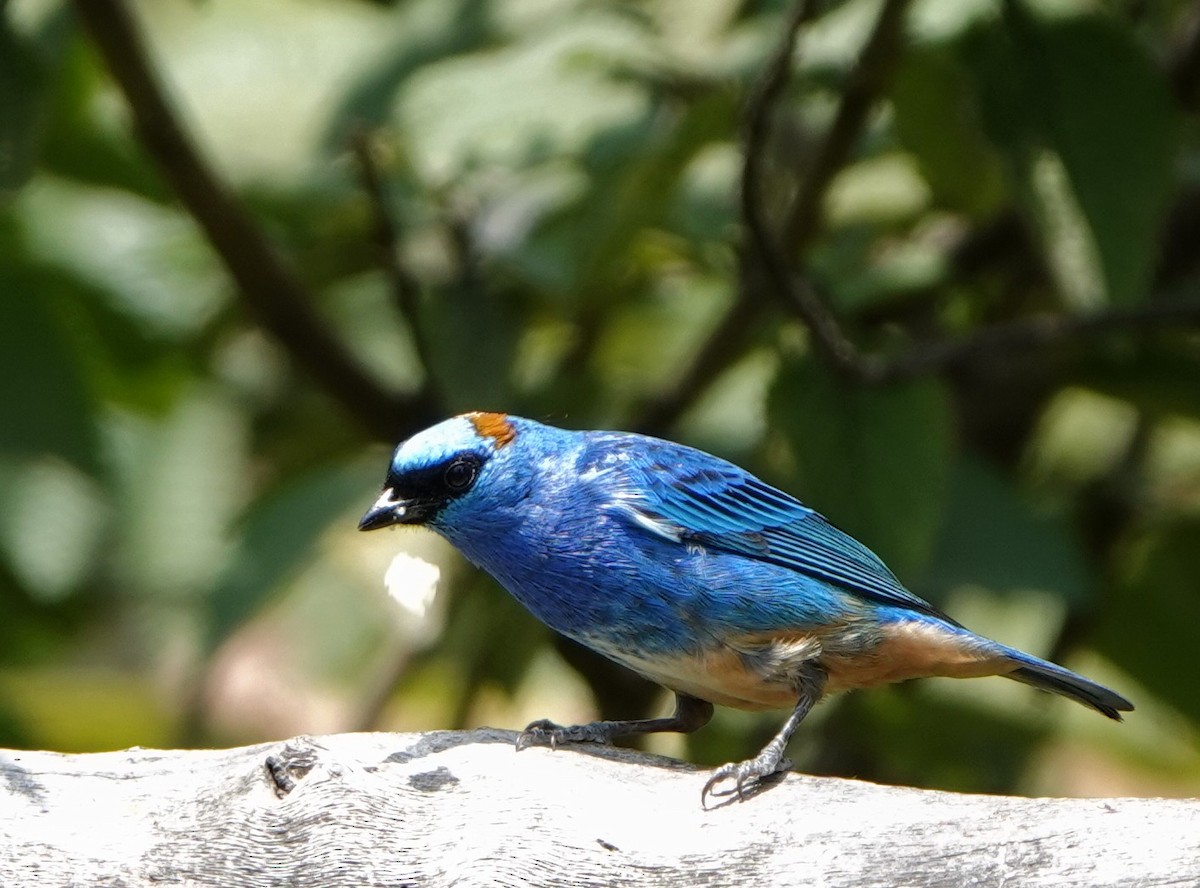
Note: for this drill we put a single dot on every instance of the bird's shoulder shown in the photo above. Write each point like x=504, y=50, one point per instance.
x=700, y=491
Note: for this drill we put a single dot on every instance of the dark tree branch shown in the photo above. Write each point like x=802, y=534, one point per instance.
x=729, y=339
x=828, y=340
x=761, y=102
x=1025, y=334
x=795, y=293
x=386, y=240
x=766, y=274
x=268, y=285
x=762, y=249
x=875, y=63
x=866, y=82
x=801, y=224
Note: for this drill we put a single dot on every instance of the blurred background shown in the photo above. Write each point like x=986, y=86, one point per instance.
x=353, y=218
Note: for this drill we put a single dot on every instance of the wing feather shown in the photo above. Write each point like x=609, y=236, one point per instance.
x=719, y=505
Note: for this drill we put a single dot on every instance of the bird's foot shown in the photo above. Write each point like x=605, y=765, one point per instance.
x=544, y=732
x=747, y=776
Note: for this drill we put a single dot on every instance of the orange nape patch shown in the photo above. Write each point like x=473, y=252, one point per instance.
x=914, y=650
x=493, y=425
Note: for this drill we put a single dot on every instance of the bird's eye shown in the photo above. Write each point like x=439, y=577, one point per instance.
x=460, y=474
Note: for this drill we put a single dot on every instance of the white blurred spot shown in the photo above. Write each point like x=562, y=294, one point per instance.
x=51, y=526
x=412, y=583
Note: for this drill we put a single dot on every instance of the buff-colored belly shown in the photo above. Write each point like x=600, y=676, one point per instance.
x=762, y=671
x=720, y=676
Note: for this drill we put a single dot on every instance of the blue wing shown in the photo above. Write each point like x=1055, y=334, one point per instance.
x=694, y=497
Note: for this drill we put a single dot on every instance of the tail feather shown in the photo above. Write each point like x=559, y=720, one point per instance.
x=1057, y=680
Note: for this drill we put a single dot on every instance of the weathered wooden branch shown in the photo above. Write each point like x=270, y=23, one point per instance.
x=455, y=808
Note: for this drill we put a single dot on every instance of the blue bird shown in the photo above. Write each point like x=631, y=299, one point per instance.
x=687, y=570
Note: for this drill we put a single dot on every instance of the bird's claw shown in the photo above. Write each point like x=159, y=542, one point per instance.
x=542, y=732
x=746, y=775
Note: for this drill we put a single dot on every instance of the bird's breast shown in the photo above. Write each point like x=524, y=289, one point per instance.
x=581, y=574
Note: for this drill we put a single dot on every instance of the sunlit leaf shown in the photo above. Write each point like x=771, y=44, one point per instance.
x=425, y=33
x=51, y=527
x=539, y=98
x=149, y=260
x=45, y=405
x=885, y=190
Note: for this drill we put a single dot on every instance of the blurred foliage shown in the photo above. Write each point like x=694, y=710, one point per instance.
x=178, y=559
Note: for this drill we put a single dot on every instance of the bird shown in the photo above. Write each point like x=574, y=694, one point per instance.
x=688, y=570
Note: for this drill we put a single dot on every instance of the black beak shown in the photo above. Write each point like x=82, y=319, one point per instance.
x=387, y=511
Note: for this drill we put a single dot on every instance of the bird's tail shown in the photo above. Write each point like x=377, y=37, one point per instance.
x=1057, y=680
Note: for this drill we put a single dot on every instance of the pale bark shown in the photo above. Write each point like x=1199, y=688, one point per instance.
x=464, y=808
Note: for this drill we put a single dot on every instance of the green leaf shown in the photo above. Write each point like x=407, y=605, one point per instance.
x=279, y=535
x=22, y=83
x=45, y=404
x=995, y=538
x=1081, y=88
x=1149, y=626
x=32, y=45
x=473, y=334
x=150, y=260
x=874, y=460
x=541, y=97
x=938, y=119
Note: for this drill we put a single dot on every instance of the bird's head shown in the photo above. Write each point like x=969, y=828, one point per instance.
x=446, y=467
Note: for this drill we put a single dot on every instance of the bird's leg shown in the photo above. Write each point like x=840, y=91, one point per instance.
x=768, y=762
x=690, y=714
